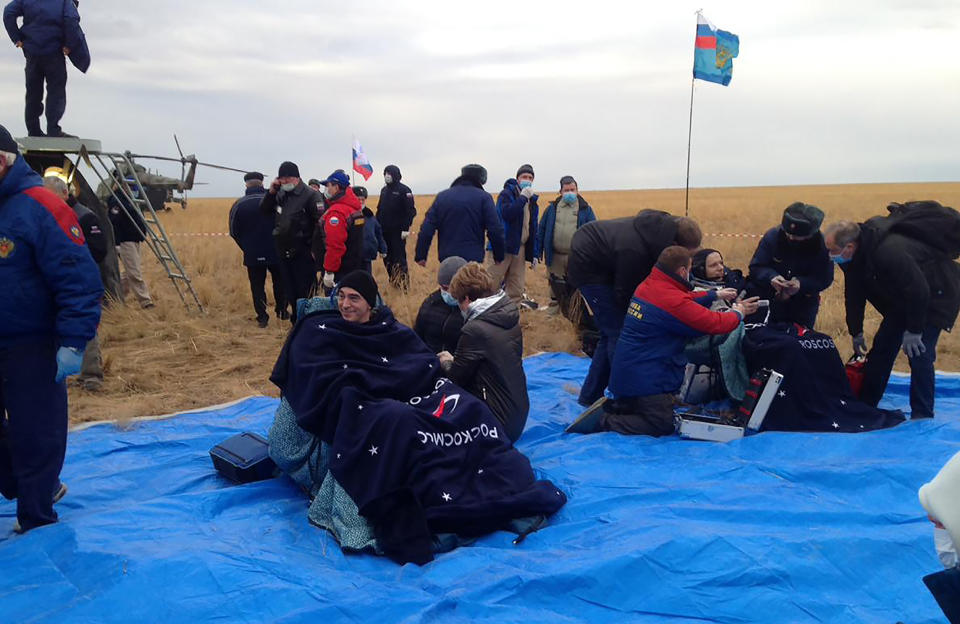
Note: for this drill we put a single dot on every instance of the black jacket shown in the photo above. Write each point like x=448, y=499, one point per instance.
x=460, y=215
x=296, y=220
x=395, y=208
x=489, y=364
x=620, y=252
x=122, y=220
x=253, y=230
x=92, y=230
x=901, y=277
x=438, y=324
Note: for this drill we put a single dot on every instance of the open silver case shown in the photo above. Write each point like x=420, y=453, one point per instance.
x=697, y=425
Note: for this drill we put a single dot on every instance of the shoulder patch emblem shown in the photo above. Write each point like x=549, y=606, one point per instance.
x=6, y=247
x=334, y=221
x=75, y=232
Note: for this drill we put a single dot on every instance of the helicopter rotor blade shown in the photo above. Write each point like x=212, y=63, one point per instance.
x=180, y=160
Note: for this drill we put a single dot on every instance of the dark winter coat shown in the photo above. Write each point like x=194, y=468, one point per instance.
x=664, y=314
x=395, y=206
x=92, y=230
x=48, y=26
x=807, y=260
x=438, y=324
x=544, y=245
x=253, y=230
x=296, y=221
x=460, y=216
x=901, y=277
x=51, y=285
x=373, y=242
x=489, y=364
x=620, y=252
x=513, y=208
x=127, y=220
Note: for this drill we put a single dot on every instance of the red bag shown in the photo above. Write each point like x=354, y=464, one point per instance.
x=854, y=369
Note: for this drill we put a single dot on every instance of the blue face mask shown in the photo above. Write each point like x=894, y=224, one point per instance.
x=840, y=259
x=525, y=183
x=448, y=298
x=570, y=197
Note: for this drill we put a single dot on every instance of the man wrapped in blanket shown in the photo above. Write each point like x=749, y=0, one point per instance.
x=416, y=456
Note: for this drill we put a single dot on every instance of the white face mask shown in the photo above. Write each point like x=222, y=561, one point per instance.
x=388, y=179
x=946, y=549
x=286, y=188
x=327, y=193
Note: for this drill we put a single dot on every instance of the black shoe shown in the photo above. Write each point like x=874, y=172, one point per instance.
x=262, y=322
x=60, y=134
x=283, y=315
x=36, y=132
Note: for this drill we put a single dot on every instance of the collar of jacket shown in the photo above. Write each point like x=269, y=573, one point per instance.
x=18, y=178
x=478, y=307
x=255, y=190
x=662, y=275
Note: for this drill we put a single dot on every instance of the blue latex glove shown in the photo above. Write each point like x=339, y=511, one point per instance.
x=69, y=361
x=913, y=344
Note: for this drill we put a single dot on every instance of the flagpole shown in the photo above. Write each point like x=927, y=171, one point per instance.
x=353, y=181
x=686, y=200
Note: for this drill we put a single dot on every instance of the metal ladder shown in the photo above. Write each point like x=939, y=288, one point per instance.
x=155, y=235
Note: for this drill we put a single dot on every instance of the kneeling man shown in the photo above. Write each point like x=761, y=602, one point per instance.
x=648, y=364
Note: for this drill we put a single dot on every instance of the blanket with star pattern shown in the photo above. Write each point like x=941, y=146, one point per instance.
x=417, y=454
x=815, y=394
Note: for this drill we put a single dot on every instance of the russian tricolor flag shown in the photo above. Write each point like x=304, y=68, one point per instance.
x=713, y=52
x=361, y=164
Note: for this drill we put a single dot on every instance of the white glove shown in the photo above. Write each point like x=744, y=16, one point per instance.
x=527, y=192
x=534, y=263
x=913, y=344
x=328, y=280
x=404, y=234
x=383, y=255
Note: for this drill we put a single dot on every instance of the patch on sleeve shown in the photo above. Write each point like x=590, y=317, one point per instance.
x=6, y=247
x=63, y=214
x=334, y=221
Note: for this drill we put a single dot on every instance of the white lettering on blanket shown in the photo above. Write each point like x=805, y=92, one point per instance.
x=459, y=438
x=821, y=343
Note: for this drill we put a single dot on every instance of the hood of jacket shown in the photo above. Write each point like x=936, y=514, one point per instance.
x=655, y=226
x=345, y=202
x=497, y=310
x=255, y=190
x=512, y=185
x=19, y=178
x=394, y=171
x=367, y=212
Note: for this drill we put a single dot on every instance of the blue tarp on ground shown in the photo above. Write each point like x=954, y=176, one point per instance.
x=778, y=527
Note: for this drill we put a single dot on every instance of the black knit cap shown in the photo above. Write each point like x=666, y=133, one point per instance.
x=525, y=169
x=253, y=175
x=7, y=144
x=288, y=170
x=363, y=283
x=800, y=219
x=361, y=191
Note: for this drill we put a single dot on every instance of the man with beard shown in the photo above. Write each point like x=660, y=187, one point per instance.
x=791, y=266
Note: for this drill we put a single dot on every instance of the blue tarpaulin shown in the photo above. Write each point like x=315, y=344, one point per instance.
x=777, y=527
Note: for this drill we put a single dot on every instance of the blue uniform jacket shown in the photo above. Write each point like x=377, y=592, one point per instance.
x=512, y=208
x=253, y=230
x=544, y=244
x=51, y=286
x=460, y=216
x=663, y=315
x=373, y=241
x=48, y=26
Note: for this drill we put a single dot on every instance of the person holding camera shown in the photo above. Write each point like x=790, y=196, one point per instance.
x=297, y=208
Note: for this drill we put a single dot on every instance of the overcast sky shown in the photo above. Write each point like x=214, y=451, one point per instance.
x=822, y=92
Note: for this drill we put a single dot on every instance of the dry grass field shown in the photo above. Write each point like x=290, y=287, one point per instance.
x=169, y=359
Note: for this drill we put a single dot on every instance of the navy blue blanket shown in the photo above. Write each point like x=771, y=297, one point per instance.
x=815, y=394
x=416, y=453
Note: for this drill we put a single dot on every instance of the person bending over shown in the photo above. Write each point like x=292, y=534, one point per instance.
x=439, y=319
x=648, y=364
x=488, y=361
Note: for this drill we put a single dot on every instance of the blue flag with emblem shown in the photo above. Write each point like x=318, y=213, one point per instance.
x=713, y=52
